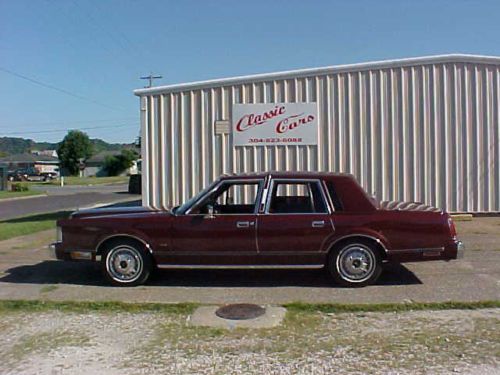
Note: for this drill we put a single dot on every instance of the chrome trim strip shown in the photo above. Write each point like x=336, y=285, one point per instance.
x=326, y=193
x=123, y=235
x=359, y=235
x=238, y=253
x=253, y=266
x=417, y=250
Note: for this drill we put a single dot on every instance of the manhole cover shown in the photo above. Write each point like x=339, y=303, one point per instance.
x=240, y=311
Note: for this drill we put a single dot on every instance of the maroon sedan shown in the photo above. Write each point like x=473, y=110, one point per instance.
x=268, y=220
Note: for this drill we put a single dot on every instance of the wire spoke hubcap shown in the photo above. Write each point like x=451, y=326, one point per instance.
x=356, y=263
x=124, y=263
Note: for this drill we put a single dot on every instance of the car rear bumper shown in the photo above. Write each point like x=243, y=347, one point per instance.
x=455, y=250
x=452, y=250
x=460, y=249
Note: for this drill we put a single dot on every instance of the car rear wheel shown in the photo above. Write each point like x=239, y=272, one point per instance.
x=355, y=264
x=126, y=263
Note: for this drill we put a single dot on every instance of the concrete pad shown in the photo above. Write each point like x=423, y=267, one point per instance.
x=204, y=316
x=27, y=268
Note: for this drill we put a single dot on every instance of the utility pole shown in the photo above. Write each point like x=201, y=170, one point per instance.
x=150, y=78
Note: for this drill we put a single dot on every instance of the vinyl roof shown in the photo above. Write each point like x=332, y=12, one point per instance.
x=283, y=174
x=384, y=64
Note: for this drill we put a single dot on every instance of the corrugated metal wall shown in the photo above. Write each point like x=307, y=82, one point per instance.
x=424, y=132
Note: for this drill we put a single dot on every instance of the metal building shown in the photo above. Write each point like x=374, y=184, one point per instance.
x=420, y=129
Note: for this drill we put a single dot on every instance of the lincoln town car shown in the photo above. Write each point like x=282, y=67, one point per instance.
x=268, y=220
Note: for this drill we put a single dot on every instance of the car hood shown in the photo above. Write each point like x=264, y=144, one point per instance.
x=407, y=206
x=111, y=211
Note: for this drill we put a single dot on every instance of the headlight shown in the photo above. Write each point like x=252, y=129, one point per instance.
x=59, y=234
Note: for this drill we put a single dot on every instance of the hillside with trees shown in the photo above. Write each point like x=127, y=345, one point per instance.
x=12, y=145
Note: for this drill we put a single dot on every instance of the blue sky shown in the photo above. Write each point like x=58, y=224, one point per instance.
x=96, y=50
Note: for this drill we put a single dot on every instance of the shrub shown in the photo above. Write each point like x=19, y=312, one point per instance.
x=18, y=186
x=116, y=164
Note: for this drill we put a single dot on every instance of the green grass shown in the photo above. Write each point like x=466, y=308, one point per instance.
x=42, y=343
x=74, y=180
x=48, y=288
x=388, y=307
x=16, y=194
x=29, y=224
x=187, y=308
x=111, y=306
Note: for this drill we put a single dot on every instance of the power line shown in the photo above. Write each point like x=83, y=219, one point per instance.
x=99, y=26
x=46, y=85
x=65, y=130
x=113, y=34
x=68, y=123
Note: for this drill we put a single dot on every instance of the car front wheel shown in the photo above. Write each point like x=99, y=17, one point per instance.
x=355, y=264
x=126, y=263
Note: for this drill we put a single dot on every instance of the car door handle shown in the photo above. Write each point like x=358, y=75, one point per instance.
x=244, y=224
x=318, y=224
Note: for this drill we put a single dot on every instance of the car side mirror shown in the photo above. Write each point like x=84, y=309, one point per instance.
x=210, y=212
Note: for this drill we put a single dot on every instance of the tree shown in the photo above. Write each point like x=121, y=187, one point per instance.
x=76, y=145
x=116, y=164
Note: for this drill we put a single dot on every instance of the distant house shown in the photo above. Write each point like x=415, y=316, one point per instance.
x=52, y=153
x=42, y=163
x=94, y=167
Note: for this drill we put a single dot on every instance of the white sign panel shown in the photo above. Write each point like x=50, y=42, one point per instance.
x=275, y=124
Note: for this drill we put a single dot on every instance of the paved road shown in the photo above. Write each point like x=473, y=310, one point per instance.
x=74, y=189
x=26, y=268
x=67, y=198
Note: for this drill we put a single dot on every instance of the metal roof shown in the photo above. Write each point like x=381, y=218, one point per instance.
x=29, y=158
x=384, y=64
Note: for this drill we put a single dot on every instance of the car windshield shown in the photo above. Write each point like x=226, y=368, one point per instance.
x=183, y=208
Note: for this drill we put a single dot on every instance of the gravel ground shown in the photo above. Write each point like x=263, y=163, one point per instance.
x=420, y=342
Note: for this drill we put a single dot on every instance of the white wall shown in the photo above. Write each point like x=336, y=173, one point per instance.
x=422, y=130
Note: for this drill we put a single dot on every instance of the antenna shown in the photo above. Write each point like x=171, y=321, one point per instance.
x=150, y=78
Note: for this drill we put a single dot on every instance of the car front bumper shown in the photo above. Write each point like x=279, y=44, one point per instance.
x=62, y=254
x=57, y=251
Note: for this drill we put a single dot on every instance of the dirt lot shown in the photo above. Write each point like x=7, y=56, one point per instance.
x=434, y=342
x=28, y=272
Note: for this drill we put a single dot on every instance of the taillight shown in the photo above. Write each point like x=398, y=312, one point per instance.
x=453, y=230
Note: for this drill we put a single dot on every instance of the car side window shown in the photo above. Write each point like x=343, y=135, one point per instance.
x=297, y=198
x=230, y=198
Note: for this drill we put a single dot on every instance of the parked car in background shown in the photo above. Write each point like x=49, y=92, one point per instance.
x=30, y=174
x=283, y=220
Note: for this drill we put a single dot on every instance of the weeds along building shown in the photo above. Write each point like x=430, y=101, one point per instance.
x=420, y=129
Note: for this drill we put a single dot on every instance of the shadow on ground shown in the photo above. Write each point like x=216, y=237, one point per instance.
x=56, y=272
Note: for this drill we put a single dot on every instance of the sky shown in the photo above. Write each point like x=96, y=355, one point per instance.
x=74, y=64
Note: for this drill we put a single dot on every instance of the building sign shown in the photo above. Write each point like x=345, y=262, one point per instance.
x=275, y=124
